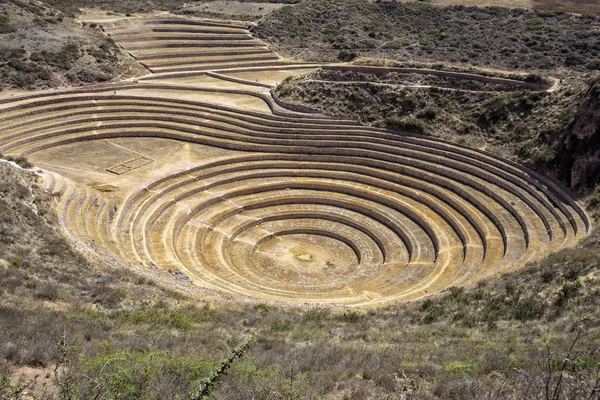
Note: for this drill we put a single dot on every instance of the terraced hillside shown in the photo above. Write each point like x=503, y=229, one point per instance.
x=207, y=174
x=167, y=46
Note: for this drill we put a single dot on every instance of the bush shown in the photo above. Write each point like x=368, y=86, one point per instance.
x=534, y=77
x=528, y=309
x=566, y=292
x=573, y=60
x=409, y=102
x=15, y=262
x=433, y=311
x=139, y=374
x=263, y=307
x=21, y=161
x=456, y=292
x=351, y=317
x=62, y=59
x=347, y=56
x=5, y=26
x=534, y=22
x=406, y=124
x=494, y=111
x=428, y=113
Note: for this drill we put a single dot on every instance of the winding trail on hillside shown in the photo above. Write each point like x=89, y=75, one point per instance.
x=197, y=168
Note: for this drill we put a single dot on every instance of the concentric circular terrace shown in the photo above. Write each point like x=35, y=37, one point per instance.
x=205, y=173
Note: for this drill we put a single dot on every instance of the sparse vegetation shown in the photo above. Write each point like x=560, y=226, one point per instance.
x=137, y=6
x=80, y=325
x=5, y=25
x=533, y=128
x=484, y=36
x=45, y=48
x=133, y=338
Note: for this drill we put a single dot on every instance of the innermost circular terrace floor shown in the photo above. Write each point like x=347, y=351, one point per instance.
x=305, y=258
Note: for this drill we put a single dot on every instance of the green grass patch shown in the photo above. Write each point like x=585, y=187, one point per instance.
x=180, y=319
x=460, y=368
x=145, y=374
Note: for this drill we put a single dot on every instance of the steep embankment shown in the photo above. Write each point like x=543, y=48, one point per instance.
x=578, y=152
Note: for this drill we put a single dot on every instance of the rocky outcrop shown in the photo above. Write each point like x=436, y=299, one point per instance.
x=578, y=154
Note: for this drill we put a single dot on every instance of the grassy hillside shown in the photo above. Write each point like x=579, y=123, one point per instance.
x=498, y=37
x=63, y=313
x=42, y=47
x=75, y=327
x=143, y=6
x=572, y=6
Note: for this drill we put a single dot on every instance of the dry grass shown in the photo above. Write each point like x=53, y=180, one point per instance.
x=570, y=6
x=154, y=343
x=49, y=48
x=491, y=37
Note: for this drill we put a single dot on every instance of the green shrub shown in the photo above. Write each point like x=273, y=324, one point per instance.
x=534, y=77
x=525, y=104
x=351, y=316
x=409, y=102
x=534, y=22
x=428, y=113
x=573, y=270
x=407, y=124
x=347, y=56
x=573, y=60
x=529, y=308
x=456, y=292
x=15, y=262
x=263, y=307
x=140, y=374
x=494, y=111
x=5, y=26
x=460, y=367
x=567, y=291
x=433, y=311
